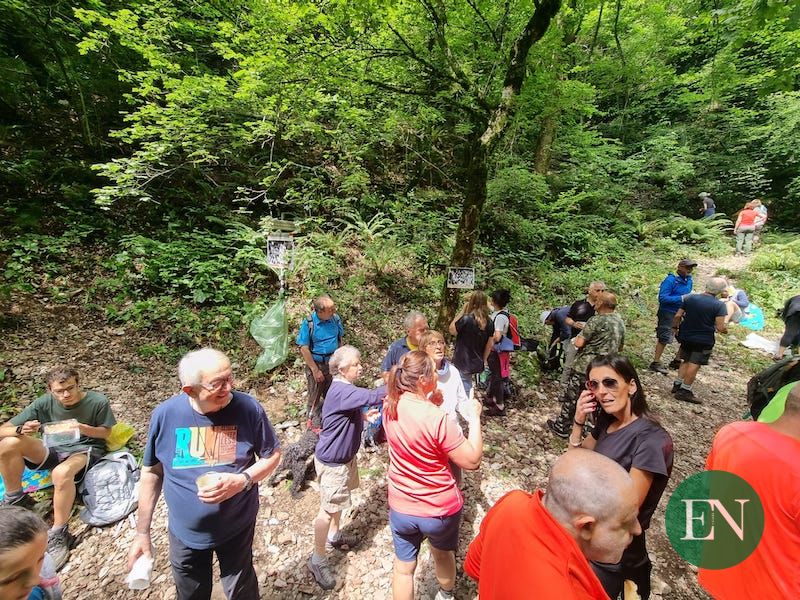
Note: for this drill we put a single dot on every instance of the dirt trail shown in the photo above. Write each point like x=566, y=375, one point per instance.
x=518, y=453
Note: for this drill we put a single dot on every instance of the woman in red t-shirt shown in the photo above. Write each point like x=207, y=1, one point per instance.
x=424, y=500
x=744, y=228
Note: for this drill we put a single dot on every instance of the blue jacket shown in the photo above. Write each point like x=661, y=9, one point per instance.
x=671, y=290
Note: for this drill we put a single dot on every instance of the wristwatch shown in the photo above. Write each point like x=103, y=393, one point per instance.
x=249, y=483
x=19, y=429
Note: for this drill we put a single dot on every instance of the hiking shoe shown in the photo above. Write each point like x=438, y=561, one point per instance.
x=343, y=540
x=322, y=574
x=675, y=387
x=444, y=595
x=59, y=541
x=687, y=396
x=658, y=368
x=494, y=411
x=675, y=363
x=24, y=500
x=551, y=425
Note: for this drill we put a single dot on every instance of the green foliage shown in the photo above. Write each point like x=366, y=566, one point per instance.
x=691, y=231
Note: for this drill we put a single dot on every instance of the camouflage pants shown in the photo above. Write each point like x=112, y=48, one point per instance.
x=576, y=382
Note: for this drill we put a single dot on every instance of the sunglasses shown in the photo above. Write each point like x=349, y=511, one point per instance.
x=612, y=385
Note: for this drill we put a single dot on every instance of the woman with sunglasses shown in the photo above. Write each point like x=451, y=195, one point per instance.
x=424, y=500
x=626, y=433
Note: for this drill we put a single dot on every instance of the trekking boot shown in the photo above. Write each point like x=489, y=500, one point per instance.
x=658, y=368
x=24, y=500
x=675, y=387
x=675, y=363
x=322, y=573
x=343, y=540
x=687, y=396
x=59, y=542
x=551, y=425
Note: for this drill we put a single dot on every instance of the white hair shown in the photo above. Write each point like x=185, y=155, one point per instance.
x=342, y=358
x=412, y=318
x=195, y=364
x=716, y=285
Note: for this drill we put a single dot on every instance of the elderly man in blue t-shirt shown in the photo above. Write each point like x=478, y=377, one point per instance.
x=207, y=447
x=415, y=324
x=320, y=335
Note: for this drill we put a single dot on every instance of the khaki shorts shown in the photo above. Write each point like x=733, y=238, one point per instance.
x=335, y=484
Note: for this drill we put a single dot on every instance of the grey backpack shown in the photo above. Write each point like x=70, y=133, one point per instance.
x=110, y=489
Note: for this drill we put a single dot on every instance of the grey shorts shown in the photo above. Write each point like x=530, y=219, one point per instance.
x=697, y=354
x=664, y=328
x=55, y=458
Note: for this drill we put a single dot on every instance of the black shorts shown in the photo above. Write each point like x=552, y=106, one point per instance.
x=694, y=353
x=664, y=327
x=55, y=458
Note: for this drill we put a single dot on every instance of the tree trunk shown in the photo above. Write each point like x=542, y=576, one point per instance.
x=480, y=151
x=544, y=143
x=476, y=174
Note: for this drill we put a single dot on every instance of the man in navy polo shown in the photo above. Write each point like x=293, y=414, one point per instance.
x=320, y=335
x=415, y=325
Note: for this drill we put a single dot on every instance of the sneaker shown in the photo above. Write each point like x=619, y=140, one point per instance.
x=322, y=574
x=687, y=396
x=59, y=542
x=675, y=363
x=658, y=368
x=24, y=500
x=675, y=387
x=551, y=425
x=343, y=540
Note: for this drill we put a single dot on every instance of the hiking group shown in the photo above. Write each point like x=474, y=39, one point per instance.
x=209, y=446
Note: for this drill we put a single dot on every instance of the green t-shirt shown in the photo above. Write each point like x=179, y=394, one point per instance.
x=604, y=334
x=93, y=410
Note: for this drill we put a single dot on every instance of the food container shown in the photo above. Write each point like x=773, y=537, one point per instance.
x=59, y=433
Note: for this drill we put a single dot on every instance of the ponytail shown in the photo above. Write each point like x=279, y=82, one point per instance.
x=405, y=377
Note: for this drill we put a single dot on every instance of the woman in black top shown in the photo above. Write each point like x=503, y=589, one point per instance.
x=626, y=433
x=473, y=330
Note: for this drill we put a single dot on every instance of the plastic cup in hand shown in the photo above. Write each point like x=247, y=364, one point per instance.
x=207, y=480
x=139, y=577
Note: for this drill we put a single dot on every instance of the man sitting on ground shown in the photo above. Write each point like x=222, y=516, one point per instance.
x=67, y=461
x=539, y=545
x=415, y=324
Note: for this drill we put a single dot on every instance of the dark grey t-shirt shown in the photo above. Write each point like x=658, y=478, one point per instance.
x=643, y=444
x=470, y=344
x=699, y=322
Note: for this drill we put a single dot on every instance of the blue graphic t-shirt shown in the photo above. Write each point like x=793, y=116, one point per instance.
x=187, y=444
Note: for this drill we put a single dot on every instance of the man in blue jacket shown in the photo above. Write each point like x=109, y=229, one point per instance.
x=670, y=296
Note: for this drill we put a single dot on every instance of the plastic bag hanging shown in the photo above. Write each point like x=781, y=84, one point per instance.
x=271, y=331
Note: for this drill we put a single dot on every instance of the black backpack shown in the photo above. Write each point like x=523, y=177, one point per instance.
x=762, y=387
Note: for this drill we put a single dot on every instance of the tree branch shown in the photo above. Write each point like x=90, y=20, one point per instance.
x=515, y=74
x=439, y=16
x=616, y=33
x=489, y=28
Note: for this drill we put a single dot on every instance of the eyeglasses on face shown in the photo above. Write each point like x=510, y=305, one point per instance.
x=611, y=384
x=64, y=392
x=435, y=343
x=217, y=384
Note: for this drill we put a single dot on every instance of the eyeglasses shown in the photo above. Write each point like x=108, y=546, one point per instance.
x=65, y=392
x=611, y=384
x=435, y=343
x=217, y=384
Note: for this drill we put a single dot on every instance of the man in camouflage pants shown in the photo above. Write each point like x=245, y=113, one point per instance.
x=603, y=334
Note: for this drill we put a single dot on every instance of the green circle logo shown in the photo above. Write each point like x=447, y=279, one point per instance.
x=714, y=519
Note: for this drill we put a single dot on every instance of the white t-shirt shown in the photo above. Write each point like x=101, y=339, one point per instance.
x=455, y=397
x=500, y=320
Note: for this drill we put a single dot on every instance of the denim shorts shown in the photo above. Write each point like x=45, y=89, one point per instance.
x=408, y=533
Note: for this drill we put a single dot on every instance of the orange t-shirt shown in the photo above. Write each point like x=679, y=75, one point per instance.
x=420, y=480
x=770, y=462
x=747, y=218
x=523, y=553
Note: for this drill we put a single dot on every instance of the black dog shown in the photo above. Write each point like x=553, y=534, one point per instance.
x=297, y=461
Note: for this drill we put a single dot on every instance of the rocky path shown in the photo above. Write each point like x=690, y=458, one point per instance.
x=518, y=453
